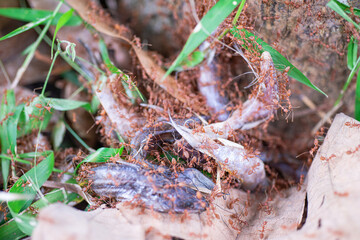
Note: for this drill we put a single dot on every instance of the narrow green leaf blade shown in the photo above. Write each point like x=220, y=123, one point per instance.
x=62, y=21
x=25, y=28
x=357, y=98
x=58, y=134
x=30, y=15
x=352, y=52
x=30, y=182
x=130, y=88
x=66, y=104
x=102, y=155
x=346, y=8
x=334, y=5
x=348, y=81
x=208, y=24
x=279, y=60
x=11, y=231
x=25, y=222
x=35, y=116
x=9, y=115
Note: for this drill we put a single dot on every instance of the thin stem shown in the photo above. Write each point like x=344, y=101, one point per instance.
x=346, y=85
x=236, y=18
x=5, y=73
x=31, y=54
x=30, y=163
x=78, y=138
x=223, y=34
x=49, y=73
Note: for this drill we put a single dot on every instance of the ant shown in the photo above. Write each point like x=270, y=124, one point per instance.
x=262, y=230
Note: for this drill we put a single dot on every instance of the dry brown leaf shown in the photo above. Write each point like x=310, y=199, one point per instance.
x=286, y=212
x=121, y=118
x=60, y=221
x=333, y=191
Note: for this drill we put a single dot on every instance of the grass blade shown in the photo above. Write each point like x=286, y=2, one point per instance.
x=29, y=184
x=348, y=81
x=208, y=24
x=31, y=15
x=352, y=52
x=334, y=5
x=10, y=231
x=9, y=117
x=66, y=104
x=133, y=94
x=62, y=21
x=78, y=138
x=101, y=155
x=357, y=98
x=279, y=60
x=58, y=133
x=24, y=28
x=346, y=8
x=31, y=54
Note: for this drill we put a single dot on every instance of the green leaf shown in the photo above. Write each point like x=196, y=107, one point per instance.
x=35, y=116
x=78, y=138
x=357, y=98
x=130, y=88
x=26, y=222
x=101, y=155
x=208, y=24
x=352, y=52
x=9, y=117
x=25, y=28
x=62, y=21
x=56, y=195
x=29, y=184
x=34, y=154
x=280, y=62
x=346, y=8
x=58, y=133
x=196, y=58
x=95, y=103
x=66, y=104
x=348, y=81
x=31, y=15
x=10, y=231
x=335, y=5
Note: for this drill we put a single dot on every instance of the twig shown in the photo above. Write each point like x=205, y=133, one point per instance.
x=5, y=72
x=312, y=106
x=69, y=187
x=326, y=117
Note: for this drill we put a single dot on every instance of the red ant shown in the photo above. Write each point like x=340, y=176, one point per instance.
x=344, y=194
x=322, y=158
x=352, y=124
x=262, y=230
x=348, y=152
